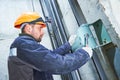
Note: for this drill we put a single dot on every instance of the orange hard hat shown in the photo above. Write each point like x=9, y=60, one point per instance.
x=29, y=17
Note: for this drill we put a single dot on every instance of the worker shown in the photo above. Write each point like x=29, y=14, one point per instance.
x=30, y=60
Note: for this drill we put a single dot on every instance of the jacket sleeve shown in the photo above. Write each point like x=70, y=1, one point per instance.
x=49, y=61
x=63, y=49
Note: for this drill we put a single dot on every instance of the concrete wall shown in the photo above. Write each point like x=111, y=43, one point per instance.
x=9, y=11
x=68, y=16
x=111, y=9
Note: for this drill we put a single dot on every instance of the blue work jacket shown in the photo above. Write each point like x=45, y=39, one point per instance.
x=42, y=61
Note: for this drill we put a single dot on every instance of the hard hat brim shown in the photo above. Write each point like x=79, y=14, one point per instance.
x=41, y=23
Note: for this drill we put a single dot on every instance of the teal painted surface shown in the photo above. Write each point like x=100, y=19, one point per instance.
x=77, y=44
x=84, y=38
x=101, y=33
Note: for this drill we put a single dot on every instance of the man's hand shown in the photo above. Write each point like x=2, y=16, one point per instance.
x=72, y=39
x=89, y=50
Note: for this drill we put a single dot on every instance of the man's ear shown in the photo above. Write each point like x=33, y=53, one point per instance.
x=28, y=28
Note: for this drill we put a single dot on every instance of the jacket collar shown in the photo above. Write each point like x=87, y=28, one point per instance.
x=24, y=34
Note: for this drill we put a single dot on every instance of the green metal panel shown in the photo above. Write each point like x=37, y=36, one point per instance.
x=84, y=37
x=101, y=32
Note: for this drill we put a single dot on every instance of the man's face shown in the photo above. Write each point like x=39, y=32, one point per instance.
x=37, y=32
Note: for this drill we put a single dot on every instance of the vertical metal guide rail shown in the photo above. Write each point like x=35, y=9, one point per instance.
x=58, y=36
x=56, y=30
